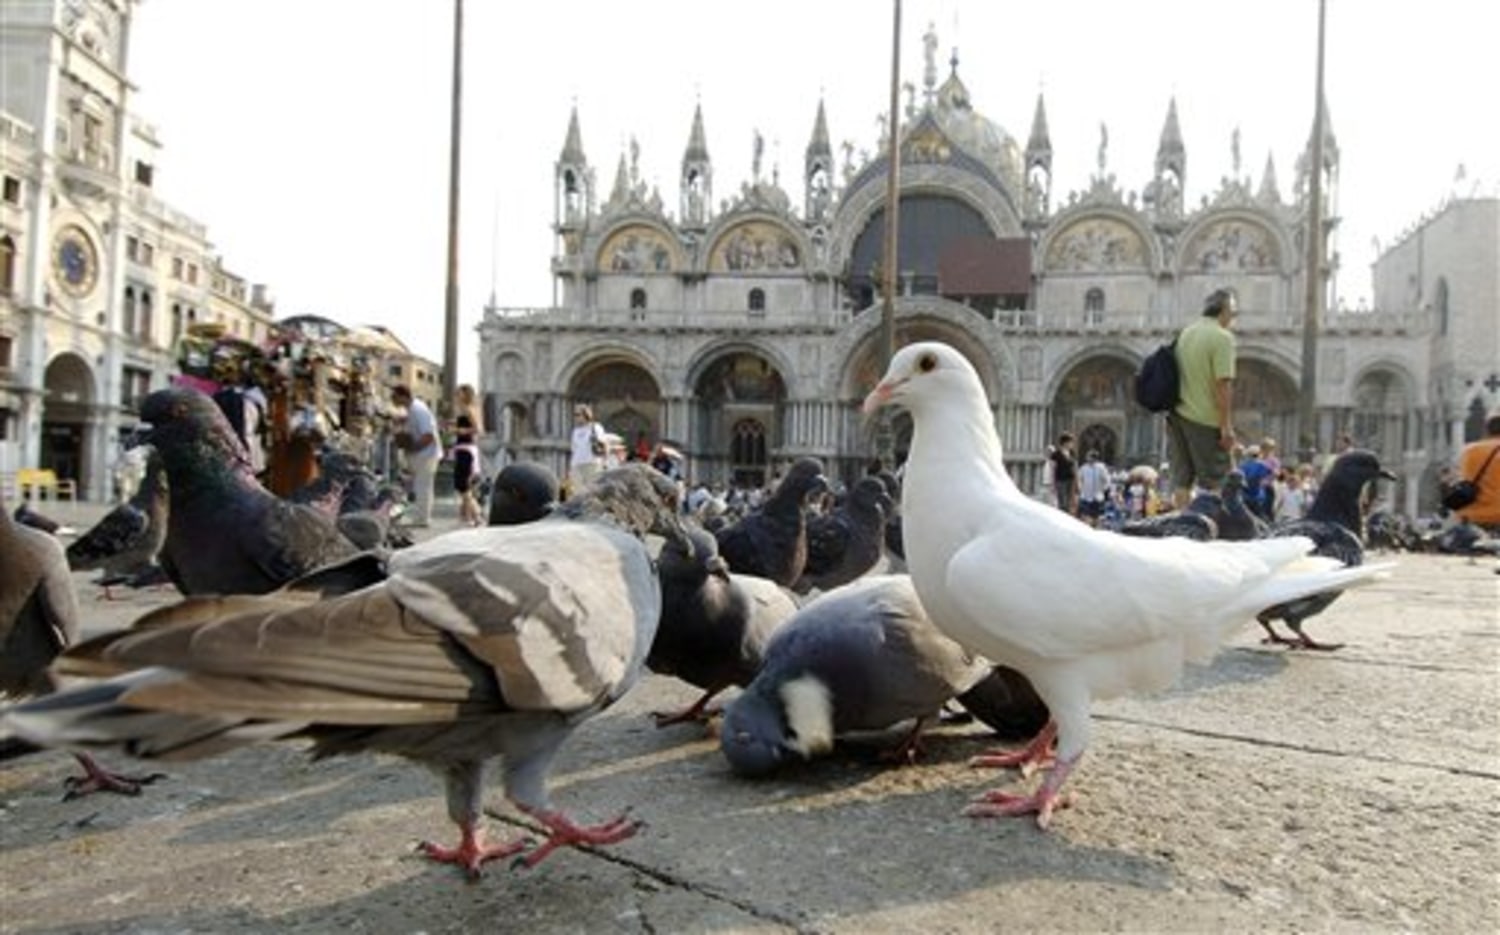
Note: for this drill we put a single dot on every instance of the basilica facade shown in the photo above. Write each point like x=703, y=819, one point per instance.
x=747, y=331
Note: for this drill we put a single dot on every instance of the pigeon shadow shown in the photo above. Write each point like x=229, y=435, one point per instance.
x=1232, y=666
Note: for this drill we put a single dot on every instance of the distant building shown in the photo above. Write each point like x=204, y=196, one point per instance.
x=747, y=329
x=99, y=278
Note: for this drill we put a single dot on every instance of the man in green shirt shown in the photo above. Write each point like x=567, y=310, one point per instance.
x=1201, y=428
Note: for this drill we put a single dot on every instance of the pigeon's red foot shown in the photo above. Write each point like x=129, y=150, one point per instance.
x=564, y=833
x=1042, y=802
x=910, y=749
x=96, y=778
x=698, y=712
x=472, y=853
x=1035, y=755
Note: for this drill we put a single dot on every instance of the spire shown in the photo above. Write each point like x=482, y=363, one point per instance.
x=697, y=146
x=1171, y=152
x=572, y=150
x=1269, y=191
x=819, y=145
x=621, y=191
x=1039, y=146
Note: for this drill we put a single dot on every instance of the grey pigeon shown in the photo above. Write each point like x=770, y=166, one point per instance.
x=1236, y=521
x=26, y=516
x=123, y=545
x=371, y=529
x=345, y=484
x=487, y=642
x=523, y=491
x=1333, y=523
x=1007, y=703
x=772, y=542
x=1185, y=524
x=714, y=624
x=226, y=534
x=863, y=657
x=846, y=542
x=38, y=619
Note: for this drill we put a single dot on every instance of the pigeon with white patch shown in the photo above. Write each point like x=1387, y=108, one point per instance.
x=714, y=624
x=772, y=542
x=481, y=643
x=226, y=534
x=846, y=542
x=1333, y=523
x=1081, y=612
x=124, y=543
x=38, y=619
x=863, y=657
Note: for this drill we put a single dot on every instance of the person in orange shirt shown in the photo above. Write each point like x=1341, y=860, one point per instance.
x=1484, y=511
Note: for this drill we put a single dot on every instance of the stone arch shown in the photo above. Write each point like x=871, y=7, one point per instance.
x=1234, y=242
x=68, y=417
x=621, y=385
x=639, y=245
x=1381, y=403
x=1266, y=395
x=707, y=355
x=755, y=243
x=994, y=204
x=739, y=391
x=1094, y=240
x=1091, y=396
x=942, y=319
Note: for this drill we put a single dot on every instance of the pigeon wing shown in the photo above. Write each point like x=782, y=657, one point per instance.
x=119, y=531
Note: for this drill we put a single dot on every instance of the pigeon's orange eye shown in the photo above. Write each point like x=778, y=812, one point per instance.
x=927, y=363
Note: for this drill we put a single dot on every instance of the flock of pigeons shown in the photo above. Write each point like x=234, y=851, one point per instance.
x=312, y=618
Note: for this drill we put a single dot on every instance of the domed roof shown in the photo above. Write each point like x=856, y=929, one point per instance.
x=978, y=135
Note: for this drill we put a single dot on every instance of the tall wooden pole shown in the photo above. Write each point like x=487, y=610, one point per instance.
x=1307, y=411
x=885, y=442
x=450, y=299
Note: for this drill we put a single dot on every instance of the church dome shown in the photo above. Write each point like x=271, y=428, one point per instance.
x=979, y=136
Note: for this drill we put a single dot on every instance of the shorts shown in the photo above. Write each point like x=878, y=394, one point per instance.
x=1090, y=509
x=463, y=471
x=1197, y=457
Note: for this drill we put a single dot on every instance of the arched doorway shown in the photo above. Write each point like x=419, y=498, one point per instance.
x=1092, y=402
x=1265, y=405
x=624, y=397
x=65, y=417
x=738, y=407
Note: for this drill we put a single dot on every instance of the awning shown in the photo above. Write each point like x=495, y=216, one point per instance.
x=971, y=266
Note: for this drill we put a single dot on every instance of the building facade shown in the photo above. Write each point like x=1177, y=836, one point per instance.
x=747, y=331
x=99, y=278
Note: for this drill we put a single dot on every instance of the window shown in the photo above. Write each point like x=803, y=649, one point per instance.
x=135, y=385
x=143, y=173
x=148, y=253
x=12, y=190
x=757, y=301
x=7, y=265
x=5, y=344
x=176, y=322
x=1093, y=306
x=176, y=267
x=146, y=316
x=132, y=249
x=127, y=318
x=638, y=298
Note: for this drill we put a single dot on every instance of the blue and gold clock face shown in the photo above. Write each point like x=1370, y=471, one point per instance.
x=74, y=261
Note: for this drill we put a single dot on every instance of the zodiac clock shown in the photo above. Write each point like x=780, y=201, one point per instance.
x=74, y=261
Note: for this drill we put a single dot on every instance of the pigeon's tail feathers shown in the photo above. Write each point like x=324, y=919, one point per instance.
x=809, y=715
x=97, y=715
x=1304, y=577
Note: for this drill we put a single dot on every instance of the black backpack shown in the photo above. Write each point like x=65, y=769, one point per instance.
x=1156, y=381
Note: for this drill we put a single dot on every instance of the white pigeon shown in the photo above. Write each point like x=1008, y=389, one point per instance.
x=1082, y=613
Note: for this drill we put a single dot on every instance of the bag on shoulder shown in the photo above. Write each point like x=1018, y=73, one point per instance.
x=1156, y=383
x=597, y=444
x=1460, y=494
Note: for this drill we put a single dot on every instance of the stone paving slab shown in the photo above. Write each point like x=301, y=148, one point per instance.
x=1273, y=791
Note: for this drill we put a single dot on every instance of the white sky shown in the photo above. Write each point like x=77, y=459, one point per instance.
x=311, y=136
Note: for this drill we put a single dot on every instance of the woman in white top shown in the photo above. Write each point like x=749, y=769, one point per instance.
x=586, y=458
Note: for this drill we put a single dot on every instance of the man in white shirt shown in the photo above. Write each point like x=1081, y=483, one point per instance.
x=419, y=439
x=1093, y=489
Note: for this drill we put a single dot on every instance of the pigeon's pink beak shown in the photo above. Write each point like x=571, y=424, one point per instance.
x=880, y=395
